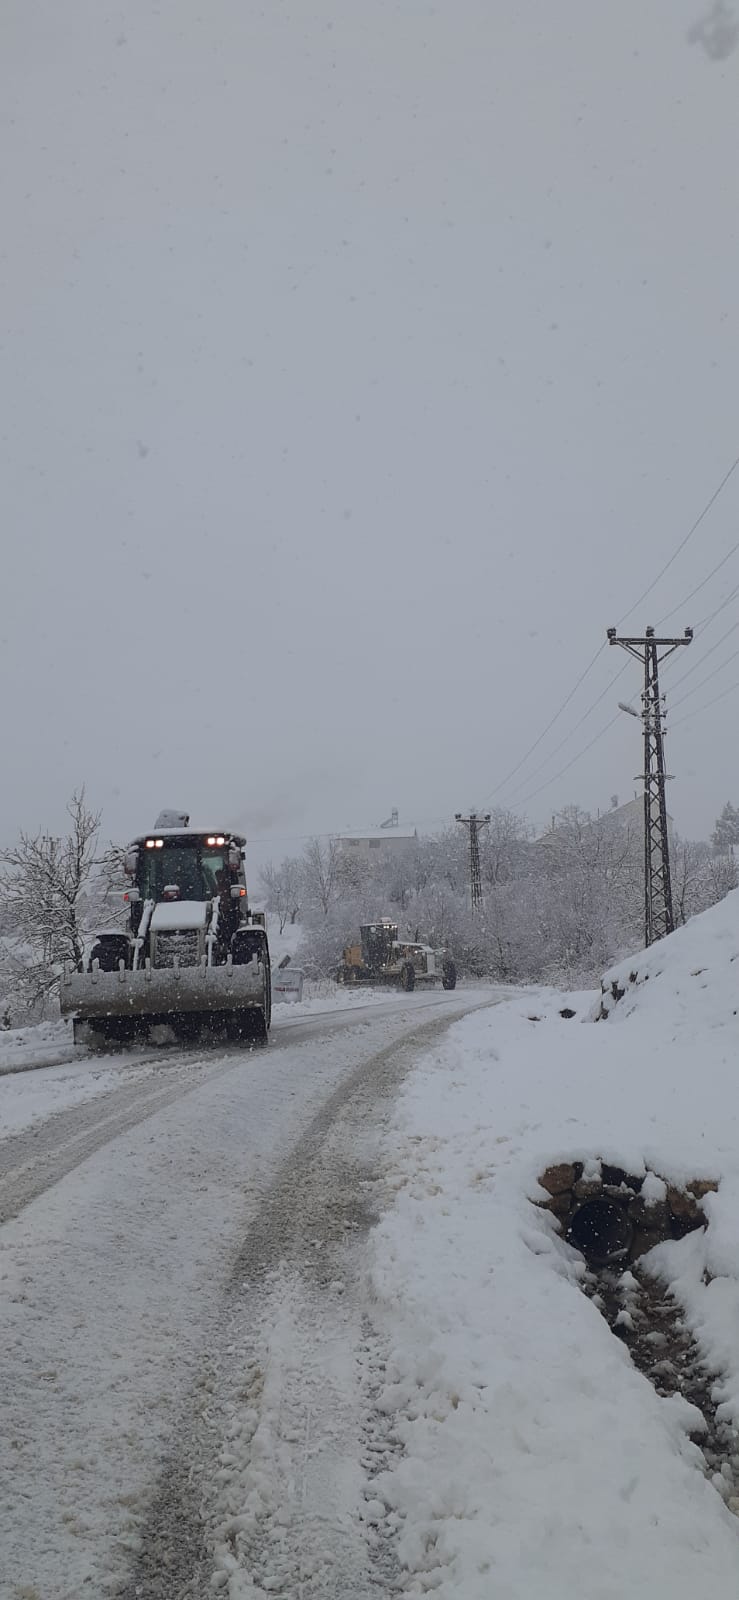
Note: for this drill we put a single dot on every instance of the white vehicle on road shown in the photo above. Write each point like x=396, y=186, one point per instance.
x=191, y=952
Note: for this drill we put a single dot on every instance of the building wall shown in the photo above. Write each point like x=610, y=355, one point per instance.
x=374, y=847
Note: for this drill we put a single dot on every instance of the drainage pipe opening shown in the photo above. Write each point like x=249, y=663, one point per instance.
x=601, y=1229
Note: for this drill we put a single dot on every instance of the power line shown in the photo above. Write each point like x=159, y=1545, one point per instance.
x=705, y=621
x=563, y=770
x=704, y=681
x=698, y=709
x=568, y=736
x=595, y=703
x=714, y=647
x=599, y=698
x=701, y=628
x=583, y=675
x=683, y=542
x=701, y=585
x=588, y=669
x=528, y=797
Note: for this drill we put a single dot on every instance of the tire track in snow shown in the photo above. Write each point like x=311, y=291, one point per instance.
x=269, y=1488
x=110, y=1056
x=38, y=1157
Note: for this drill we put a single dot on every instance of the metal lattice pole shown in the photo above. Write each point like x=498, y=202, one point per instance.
x=658, y=911
x=474, y=823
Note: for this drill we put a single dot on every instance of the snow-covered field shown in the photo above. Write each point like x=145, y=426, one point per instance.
x=536, y=1459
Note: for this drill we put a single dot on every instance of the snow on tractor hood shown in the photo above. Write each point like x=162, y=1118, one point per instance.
x=170, y=914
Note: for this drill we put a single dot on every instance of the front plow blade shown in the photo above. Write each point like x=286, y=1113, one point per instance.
x=162, y=993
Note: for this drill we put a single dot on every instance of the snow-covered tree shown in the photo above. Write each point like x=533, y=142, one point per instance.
x=688, y=863
x=720, y=877
x=726, y=832
x=321, y=872
x=47, y=889
x=504, y=847
x=282, y=888
x=560, y=908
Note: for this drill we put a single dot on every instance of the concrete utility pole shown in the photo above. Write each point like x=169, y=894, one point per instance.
x=651, y=652
x=474, y=823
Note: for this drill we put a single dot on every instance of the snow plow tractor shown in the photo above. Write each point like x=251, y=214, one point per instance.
x=191, y=954
x=382, y=957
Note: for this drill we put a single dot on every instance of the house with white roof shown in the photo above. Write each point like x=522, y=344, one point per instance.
x=386, y=841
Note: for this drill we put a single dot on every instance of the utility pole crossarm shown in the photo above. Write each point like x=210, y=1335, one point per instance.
x=614, y=638
x=651, y=651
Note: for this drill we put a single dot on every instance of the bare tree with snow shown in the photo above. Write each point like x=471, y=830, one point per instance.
x=321, y=872
x=47, y=892
x=282, y=888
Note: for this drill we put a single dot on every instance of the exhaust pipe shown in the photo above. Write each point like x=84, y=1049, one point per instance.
x=602, y=1231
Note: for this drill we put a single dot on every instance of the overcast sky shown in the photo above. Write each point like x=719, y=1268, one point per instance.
x=361, y=363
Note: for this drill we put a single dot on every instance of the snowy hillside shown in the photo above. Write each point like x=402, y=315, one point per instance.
x=537, y=1456
x=690, y=980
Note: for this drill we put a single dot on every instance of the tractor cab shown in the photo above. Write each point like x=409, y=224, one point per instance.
x=191, y=953
x=179, y=864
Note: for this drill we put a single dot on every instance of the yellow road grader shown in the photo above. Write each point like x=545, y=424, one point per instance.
x=381, y=957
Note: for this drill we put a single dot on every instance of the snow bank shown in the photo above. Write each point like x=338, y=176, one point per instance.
x=21, y=1048
x=536, y=1459
x=325, y=995
x=690, y=980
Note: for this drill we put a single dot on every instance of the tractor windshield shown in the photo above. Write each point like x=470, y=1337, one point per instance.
x=190, y=869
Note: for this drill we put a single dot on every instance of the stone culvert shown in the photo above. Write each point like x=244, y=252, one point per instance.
x=613, y=1216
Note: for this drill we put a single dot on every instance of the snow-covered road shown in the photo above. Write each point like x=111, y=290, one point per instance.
x=48, y=1125
x=179, y=1234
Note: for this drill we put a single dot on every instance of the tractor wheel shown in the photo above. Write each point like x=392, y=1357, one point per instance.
x=120, y=1030
x=449, y=976
x=253, y=1023
x=186, y=1026
x=408, y=977
x=93, y=1035
x=258, y=1029
x=99, y=1033
x=267, y=1000
x=235, y=1026
x=247, y=1027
